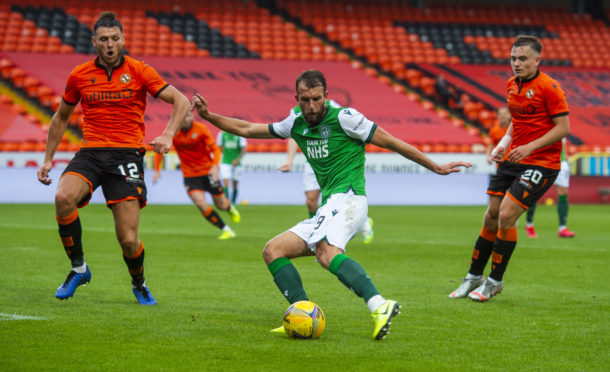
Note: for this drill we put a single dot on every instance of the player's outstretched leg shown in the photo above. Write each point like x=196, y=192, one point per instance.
x=74, y=279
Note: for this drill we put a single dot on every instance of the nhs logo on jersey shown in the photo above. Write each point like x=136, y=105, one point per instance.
x=317, y=149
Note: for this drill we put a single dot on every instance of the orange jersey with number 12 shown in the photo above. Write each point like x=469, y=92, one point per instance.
x=113, y=104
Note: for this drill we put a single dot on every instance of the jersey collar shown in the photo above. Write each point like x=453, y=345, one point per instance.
x=98, y=64
x=520, y=81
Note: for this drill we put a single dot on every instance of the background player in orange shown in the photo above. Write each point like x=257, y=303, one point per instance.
x=112, y=91
x=498, y=131
x=539, y=114
x=199, y=157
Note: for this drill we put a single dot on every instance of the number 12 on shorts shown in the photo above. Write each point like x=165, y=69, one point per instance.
x=132, y=168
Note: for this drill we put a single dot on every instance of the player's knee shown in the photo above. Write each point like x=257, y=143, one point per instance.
x=129, y=244
x=507, y=219
x=270, y=251
x=64, y=200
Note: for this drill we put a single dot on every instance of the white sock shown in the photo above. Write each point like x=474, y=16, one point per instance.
x=226, y=228
x=471, y=276
x=81, y=269
x=374, y=302
x=562, y=227
x=529, y=224
x=494, y=282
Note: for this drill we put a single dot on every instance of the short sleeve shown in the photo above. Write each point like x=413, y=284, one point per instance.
x=71, y=93
x=243, y=142
x=283, y=128
x=556, y=102
x=219, y=139
x=356, y=125
x=152, y=81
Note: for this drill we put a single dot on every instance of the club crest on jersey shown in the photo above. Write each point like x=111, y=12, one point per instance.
x=530, y=94
x=125, y=78
x=324, y=131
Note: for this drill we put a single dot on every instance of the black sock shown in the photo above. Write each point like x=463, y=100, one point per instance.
x=211, y=215
x=482, y=251
x=135, y=264
x=70, y=232
x=503, y=248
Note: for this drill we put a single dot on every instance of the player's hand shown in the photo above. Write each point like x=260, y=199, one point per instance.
x=489, y=159
x=200, y=104
x=286, y=167
x=498, y=153
x=519, y=153
x=43, y=173
x=452, y=167
x=161, y=144
x=156, y=177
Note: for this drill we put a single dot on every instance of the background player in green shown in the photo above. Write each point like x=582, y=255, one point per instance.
x=233, y=149
x=562, y=184
x=333, y=141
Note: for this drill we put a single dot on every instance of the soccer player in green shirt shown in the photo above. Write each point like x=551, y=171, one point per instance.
x=333, y=141
x=233, y=149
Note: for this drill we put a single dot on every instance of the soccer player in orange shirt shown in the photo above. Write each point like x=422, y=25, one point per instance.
x=539, y=114
x=199, y=157
x=112, y=92
x=498, y=131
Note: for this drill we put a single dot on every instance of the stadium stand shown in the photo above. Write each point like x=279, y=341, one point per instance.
x=399, y=46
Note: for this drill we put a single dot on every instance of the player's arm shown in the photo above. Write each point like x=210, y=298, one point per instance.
x=498, y=152
x=57, y=127
x=384, y=139
x=180, y=108
x=560, y=130
x=239, y=127
x=290, y=153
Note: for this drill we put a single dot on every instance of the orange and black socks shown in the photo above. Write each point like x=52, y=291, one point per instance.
x=70, y=232
x=211, y=215
x=503, y=248
x=135, y=264
x=482, y=250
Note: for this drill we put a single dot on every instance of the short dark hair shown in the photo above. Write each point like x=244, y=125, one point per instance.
x=107, y=19
x=311, y=78
x=528, y=40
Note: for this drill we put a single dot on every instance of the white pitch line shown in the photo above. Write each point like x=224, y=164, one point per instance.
x=5, y=316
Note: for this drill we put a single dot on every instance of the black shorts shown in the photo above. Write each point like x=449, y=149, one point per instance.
x=120, y=172
x=523, y=183
x=203, y=183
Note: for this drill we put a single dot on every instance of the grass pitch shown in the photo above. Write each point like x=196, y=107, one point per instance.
x=217, y=300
